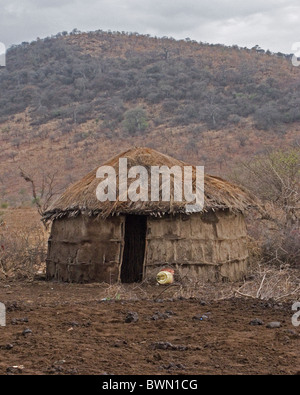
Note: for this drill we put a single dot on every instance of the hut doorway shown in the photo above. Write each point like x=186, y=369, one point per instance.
x=134, y=249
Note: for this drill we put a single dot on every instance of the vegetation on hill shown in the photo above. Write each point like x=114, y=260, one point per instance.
x=69, y=102
x=192, y=82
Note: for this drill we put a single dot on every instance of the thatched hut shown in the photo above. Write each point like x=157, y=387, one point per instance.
x=93, y=241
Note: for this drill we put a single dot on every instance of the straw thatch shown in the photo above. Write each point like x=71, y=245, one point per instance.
x=81, y=198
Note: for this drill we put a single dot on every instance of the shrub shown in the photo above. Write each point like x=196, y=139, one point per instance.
x=267, y=117
x=275, y=179
x=22, y=254
x=283, y=246
x=135, y=121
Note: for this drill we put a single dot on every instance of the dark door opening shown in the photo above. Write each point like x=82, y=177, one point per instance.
x=134, y=249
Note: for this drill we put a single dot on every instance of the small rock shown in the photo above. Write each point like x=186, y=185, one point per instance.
x=274, y=325
x=15, y=370
x=57, y=369
x=120, y=343
x=168, y=346
x=131, y=317
x=201, y=317
x=74, y=324
x=16, y=321
x=170, y=312
x=61, y=362
x=12, y=306
x=256, y=321
x=9, y=347
x=162, y=346
x=27, y=332
x=162, y=316
x=291, y=332
x=156, y=317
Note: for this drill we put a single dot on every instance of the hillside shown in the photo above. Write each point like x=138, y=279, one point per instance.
x=69, y=102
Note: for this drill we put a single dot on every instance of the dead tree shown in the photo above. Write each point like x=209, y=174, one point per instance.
x=43, y=193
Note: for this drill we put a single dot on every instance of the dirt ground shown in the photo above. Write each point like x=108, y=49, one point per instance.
x=78, y=329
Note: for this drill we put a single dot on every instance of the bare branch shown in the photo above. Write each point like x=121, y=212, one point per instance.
x=44, y=192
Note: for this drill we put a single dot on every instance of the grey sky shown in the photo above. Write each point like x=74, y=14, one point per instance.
x=273, y=24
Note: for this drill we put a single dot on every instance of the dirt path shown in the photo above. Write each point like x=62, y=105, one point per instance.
x=74, y=331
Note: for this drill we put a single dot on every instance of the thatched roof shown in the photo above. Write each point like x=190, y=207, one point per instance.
x=81, y=197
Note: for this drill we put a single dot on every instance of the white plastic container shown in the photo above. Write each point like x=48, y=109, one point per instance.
x=165, y=277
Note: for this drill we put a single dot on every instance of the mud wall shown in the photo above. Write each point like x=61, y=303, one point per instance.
x=85, y=249
x=211, y=246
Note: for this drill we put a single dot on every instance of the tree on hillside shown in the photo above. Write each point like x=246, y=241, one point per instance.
x=135, y=121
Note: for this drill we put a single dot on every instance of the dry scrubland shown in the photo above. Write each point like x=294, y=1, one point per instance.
x=188, y=328
x=69, y=103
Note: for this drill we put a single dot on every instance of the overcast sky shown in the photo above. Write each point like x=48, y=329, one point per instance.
x=272, y=24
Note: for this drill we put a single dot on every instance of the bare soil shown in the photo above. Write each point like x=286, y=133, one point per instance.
x=77, y=329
